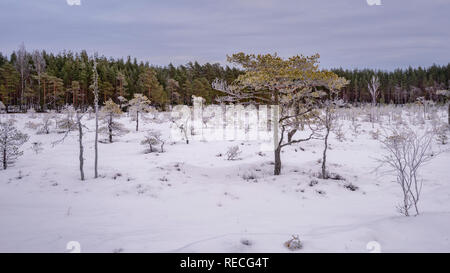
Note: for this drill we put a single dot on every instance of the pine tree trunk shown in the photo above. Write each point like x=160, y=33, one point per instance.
x=5, y=164
x=324, y=158
x=137, y=121
x=43, y=105
x=110, y=128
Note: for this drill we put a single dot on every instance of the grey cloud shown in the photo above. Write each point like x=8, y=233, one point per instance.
x=347, y=33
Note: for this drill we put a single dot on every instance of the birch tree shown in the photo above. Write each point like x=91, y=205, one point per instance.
x=373, y=87
x=22, y=67
x=77, y=125
x=95, y=91
x=406, y=152
x=327, y=121
x=79, y=117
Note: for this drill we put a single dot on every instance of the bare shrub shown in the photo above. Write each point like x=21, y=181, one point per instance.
x=339, y=132
x=233, y=152
x=32, y=125
x=37, y=147
x=45, y=124
x=375, y=134
x=249, y=176
x=441, y=134
x=356, y=128
x=406, y=153
x=294, y=243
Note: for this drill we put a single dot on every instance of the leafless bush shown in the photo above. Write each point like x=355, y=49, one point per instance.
x=375, y=134
x=45, y=124
x=294, y=243
x=441, y=134
x=67, y=122
x=406, y=153
x=356, y=128
x=233, y=152
x=339, y=132
x=37, y=147
x=250, y=176
x=32, y=125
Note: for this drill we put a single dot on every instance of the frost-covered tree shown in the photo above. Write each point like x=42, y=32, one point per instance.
x=445, y=95
x=406, y=152
x=10, y=141
x=373, y=87
x=110, y=127
x=293, y=86
x=181, y=123
x=327, y=120
x=139, y=104
x=67, y=121
x=122, y=101
x=95, y=91
x=426, y=104
x=152, y=139
x=77, y=124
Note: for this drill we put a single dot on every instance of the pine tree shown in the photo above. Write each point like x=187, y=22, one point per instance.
x=10, y=141
x=9, y=82
x=111, y=128
x=139, y=104
x=149, y=84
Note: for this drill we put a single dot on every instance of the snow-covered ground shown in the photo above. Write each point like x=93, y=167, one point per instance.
x=189, y=199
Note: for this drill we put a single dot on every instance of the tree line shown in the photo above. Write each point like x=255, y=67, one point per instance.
x=396, y=87
x=43, y=80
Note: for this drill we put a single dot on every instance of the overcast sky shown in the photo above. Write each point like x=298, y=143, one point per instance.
x=346, y=33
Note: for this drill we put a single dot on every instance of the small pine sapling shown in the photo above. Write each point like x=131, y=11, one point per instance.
x=10, y=141
x=139, y=104
x=152, y=139
x=110, y=127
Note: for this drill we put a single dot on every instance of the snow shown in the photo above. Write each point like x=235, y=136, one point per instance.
x=189, y=199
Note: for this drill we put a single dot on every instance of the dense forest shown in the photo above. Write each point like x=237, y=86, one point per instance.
x=48, y=81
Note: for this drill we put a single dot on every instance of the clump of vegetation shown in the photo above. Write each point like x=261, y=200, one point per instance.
x=152, y=139
x=406, y=153
x=37, y=147
x=351, y=187
x=294, y=243
x=10, y=141
x=313, y=182
x=233, y=152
